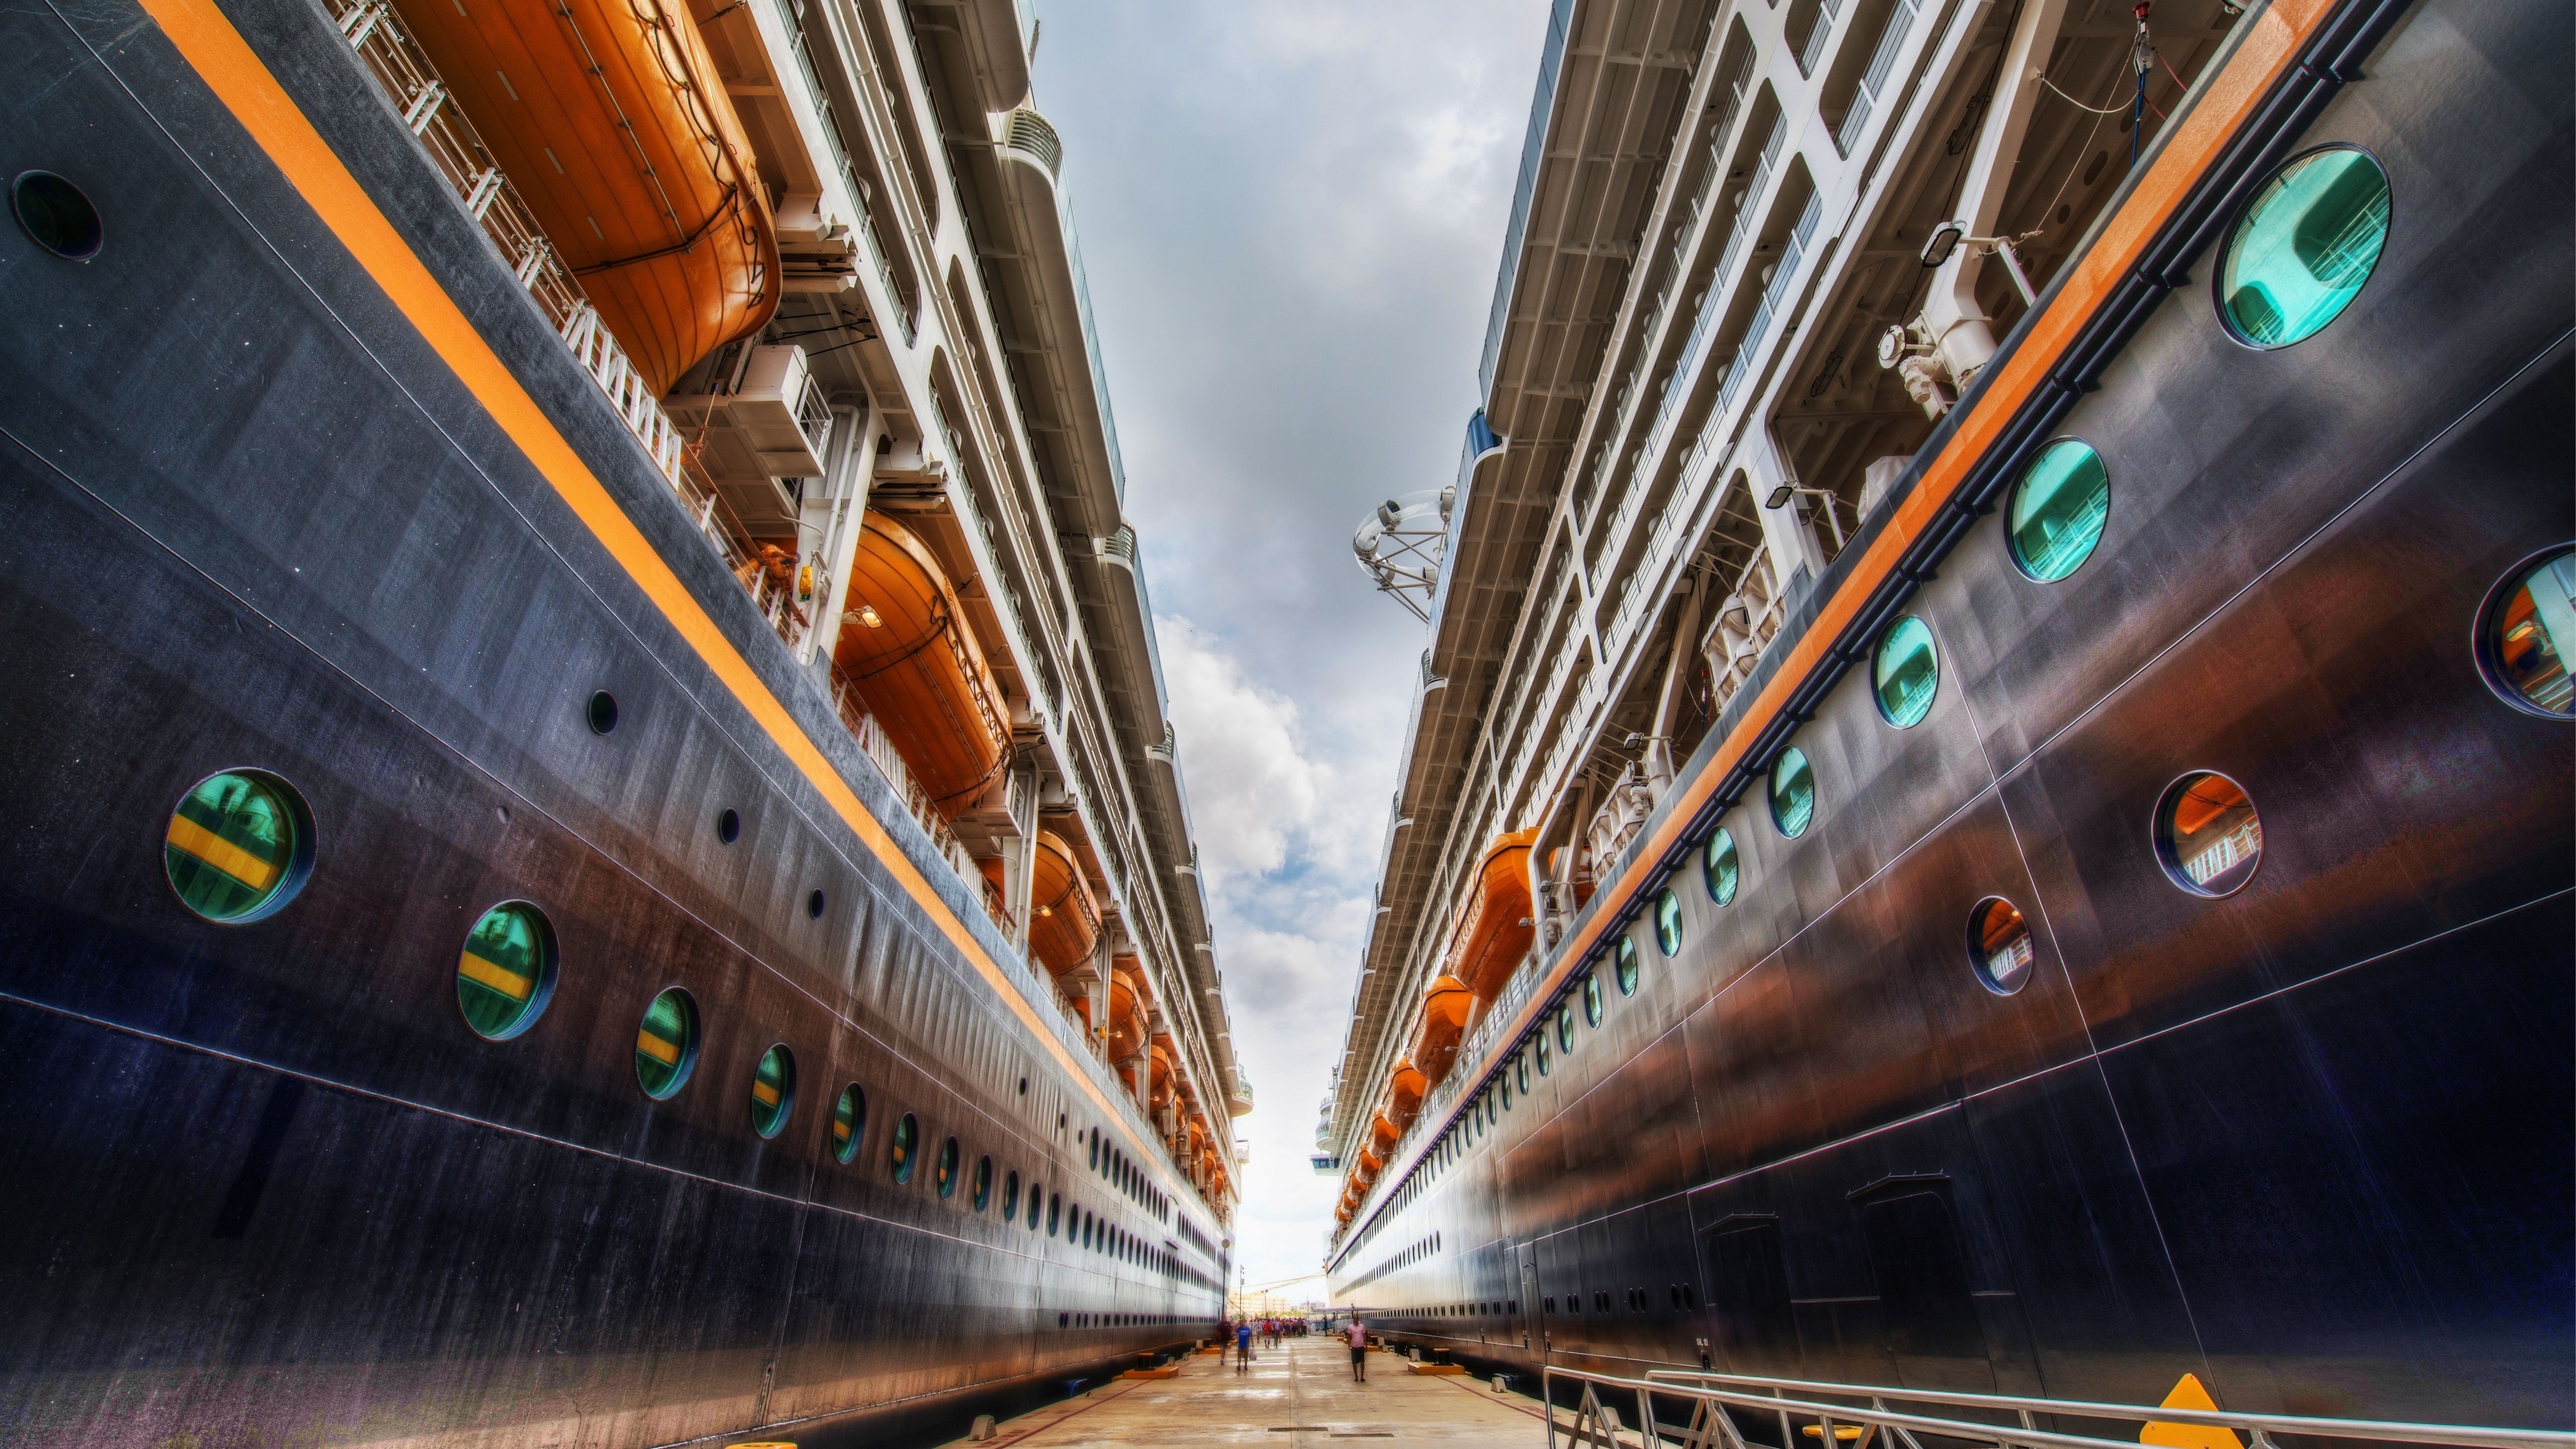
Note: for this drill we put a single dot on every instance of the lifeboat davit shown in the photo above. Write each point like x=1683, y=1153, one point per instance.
x=1494, y=931
x=919, y=670
x=609, y=118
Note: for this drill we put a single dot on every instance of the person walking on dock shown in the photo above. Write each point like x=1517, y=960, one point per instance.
x=1359, y=1350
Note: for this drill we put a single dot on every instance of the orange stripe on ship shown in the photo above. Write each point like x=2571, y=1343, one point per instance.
x=221, y=58
x=2261, y=56
x=251, y=870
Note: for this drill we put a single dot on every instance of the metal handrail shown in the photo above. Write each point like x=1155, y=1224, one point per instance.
x=1597, y=1425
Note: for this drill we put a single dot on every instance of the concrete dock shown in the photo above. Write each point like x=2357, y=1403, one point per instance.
x=1294, y=1396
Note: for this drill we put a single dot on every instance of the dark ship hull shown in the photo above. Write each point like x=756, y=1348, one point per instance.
x=259, y=1183
x=2310, y=1142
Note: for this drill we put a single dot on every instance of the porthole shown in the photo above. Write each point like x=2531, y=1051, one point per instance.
x=1668, y=939
x=603, y=712
x=1092, y=1141
x=1539, y=1050
x=56, y=215
x=1565, y=1030
x=944, y=1175
x=1520, y=1069
x=666, y=1044
x=1592, y=983
x=773, y=1090
x=2527, y=634
x=1720, y=868
x=2208, y=835
x=2057, y=510
x=814, y=906
x=1793, y=792
x=506, y=971
x=1999, y=945
x=1904, y=672
x=1055, y=1211
x=2304, y=248
x=1036, y=1201
x=239, y=846
x=729, y=827
x=849, y=1122
x=1492, y=1112
x=1505, y=1084
x=906, y=1148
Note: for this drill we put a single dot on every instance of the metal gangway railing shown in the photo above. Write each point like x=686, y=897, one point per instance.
x=1870, y=1416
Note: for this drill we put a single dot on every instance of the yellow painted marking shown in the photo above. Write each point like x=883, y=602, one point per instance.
x=840, y=1131
x=228, y=66
x=2188, y=1394
x=500, y=978
x=222, y=854
x=765, y=1094
x=665, y=1052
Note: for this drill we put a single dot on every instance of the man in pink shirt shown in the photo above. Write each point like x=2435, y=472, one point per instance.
x=1359, y=1350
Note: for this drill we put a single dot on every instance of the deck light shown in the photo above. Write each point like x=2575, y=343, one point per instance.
x=867, y=614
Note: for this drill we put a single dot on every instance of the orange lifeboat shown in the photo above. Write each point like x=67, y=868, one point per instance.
x=1444, y=1020
x=1493, y=933
x=610, y=119
x=905, y=646
x=1406, y=1098
x=1065, y=920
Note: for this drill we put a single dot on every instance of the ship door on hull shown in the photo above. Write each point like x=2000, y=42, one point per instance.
x=1756, y=1331
x=1927, y=1311
x=1533, y=1327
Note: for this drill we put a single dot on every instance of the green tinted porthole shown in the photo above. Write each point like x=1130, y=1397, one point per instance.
x=239, y=846
x=1520, y=1070
x=944, y=1176
x=1539, y=1050
x=1055, y=1212
x=2527, y=637
x=1037, y=1200
x=983, y=1194
x=2057, y=510
x=1011, y=1196
x=1668, y=939
x=1793, y=792
x=1719, y=866
x=849, y=1122
x=773, y=1090
x=906, y=1148
x=1592, y=987
x=1905, y=671
x=1565, y=1030
x=2304, y=248
x=506, y=971
x=666, y=1044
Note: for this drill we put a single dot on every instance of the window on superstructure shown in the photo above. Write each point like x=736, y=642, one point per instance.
x=506, y=971
x=239, y=846
x=1905, y=670
x=1793, y=792
x=2304, y=248
x=2528, y=635
x=2207, y=834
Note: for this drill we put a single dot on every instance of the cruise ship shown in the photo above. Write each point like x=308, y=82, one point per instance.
x=1987, y=807
x=596, y=854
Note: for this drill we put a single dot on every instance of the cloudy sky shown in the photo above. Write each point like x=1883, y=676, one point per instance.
x=1291, y=211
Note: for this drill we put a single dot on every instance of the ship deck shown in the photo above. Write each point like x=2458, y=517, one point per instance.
x=1296, y=1394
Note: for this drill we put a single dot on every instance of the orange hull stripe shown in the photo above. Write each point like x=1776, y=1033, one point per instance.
x=221, y=58
x=222, y=854
x=2196, y=143
x=495, y=975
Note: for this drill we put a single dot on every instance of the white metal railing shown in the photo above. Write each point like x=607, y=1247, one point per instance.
x=1864, y=1415
x=1882, y=59
x=1713, y=302
x=1811, y=48
x=1784, y=273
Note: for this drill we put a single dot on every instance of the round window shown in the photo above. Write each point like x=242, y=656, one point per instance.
x=239, y=846
x=666, y=1044
x=907, y=1147
x=1905, y=671
x=506, y=971
x=2207, y=834
x=1592, y=985
x=1539, y=1050
x=1055, y=1212
x=2058, y=507
x=56, y=215
x=1492, y=1111
x=1565, y=1029
x=2528, y=633
x=849, y=1122
x=1503, y=1083
x=944, y=1177
x=1793, y=792
x=1010, y=1196
x=773, y=1090
x=1999, y=945
x=2304, y=248
x=1092, y=1141
x=1037, y=1200
x=1668, y=939
x=1719, y=866
x=1520, y=1069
